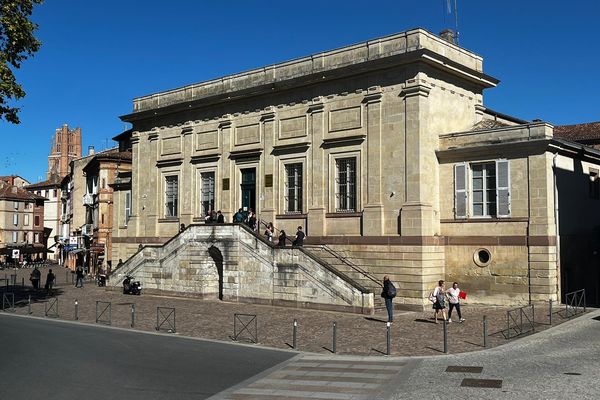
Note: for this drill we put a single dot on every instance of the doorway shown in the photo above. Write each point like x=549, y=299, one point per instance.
x=248, y=189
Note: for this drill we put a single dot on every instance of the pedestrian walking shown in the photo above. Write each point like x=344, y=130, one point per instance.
x=454, y=296
x=299, y=239
x=50, y=279
x=35, y=277
x=79, y=276
x=269, y=232
x=282, y=238
x=388, y=293
x=252, y=220
x=438, y=297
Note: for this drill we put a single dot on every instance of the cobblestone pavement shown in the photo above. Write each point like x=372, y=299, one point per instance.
x=412, y=334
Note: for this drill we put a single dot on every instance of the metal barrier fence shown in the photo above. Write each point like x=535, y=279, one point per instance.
x=245, y=321
x=574, y=303
x=51, y=308
x=102, y=317
x=520, y=320
x=165, y=315
x=8, y=299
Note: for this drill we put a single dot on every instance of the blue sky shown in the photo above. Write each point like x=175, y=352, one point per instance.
x=97, y=56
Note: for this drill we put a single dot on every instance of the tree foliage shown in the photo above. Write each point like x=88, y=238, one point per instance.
x=17, y=43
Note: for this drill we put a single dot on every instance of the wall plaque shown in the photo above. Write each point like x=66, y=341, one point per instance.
x=225, y=184
x=269, y=180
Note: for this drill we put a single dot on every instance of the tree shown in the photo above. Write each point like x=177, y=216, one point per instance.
x=17, y=43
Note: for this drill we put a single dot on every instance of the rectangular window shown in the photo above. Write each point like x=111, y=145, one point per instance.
x=26, y=220
x=55, y=193
x=293, y=188
x=15, y=237
x=345, y=184
x=16, y=205
x=36, y=237
x=27, y=205
x=15, y=219
x=127, y=206
x=25, y=237
x=171, y=196
x=483, y=182
x=207, y=195
x=482, y=190
x=36, y=220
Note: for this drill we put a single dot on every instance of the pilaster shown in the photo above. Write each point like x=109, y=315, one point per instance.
x=417, y=213
x=317, y=178
x=373, y=210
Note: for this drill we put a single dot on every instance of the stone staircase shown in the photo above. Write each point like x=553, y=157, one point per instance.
x=234, y=263
x=347, y=267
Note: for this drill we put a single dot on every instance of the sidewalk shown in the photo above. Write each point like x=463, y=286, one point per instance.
x=412, y=334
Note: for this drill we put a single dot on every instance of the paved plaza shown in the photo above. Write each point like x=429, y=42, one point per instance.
x=412, y=334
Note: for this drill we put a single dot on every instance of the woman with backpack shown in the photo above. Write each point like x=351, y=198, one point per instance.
x=439, y=301
x=388, y=293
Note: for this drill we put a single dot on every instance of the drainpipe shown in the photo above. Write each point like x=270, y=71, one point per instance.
x=556, y=226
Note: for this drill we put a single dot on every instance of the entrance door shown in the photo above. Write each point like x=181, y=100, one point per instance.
x=248, y=187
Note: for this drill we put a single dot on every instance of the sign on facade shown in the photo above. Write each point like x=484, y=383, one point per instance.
x=73, y=240
x=15, y=253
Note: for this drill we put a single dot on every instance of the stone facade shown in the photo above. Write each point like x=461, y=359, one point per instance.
x=360, y=146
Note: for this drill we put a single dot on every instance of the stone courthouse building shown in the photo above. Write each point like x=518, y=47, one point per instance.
x=383, y=151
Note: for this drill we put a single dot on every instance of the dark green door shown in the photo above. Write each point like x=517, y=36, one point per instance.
x=249, y=189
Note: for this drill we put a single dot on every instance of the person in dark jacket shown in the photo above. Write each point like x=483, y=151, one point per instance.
x=50, y=278
x=282, y=239
x=299, y=240
x=238, y=217
x=388, y=293
x=220, y=218
x=79, y=276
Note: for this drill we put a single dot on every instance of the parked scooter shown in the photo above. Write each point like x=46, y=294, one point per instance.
x=130, y=286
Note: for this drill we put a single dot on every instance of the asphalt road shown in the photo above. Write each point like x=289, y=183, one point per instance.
x=46, y=359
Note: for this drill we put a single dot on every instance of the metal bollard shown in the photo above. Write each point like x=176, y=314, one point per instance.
x=132, y=315
x=550, y=311
x=22, y=282
x=295, y=334
x=76, y=310
x=389, y=339
x=445, y=337
x=334, y=346
x=484, y=331
x=29, y=305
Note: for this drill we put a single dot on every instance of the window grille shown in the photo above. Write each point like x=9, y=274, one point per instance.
x=293, y=188
x=346, y=185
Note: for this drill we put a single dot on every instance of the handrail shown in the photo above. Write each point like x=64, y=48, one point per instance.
x=338, y=256
x=349, y=263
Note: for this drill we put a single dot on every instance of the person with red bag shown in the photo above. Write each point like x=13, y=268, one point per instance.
x=454, y=296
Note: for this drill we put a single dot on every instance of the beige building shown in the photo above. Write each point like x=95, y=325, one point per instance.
x=21, y=224
x=51, y=190
x=383, y=151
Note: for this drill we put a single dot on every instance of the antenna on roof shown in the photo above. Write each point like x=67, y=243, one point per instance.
x=451, y=35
